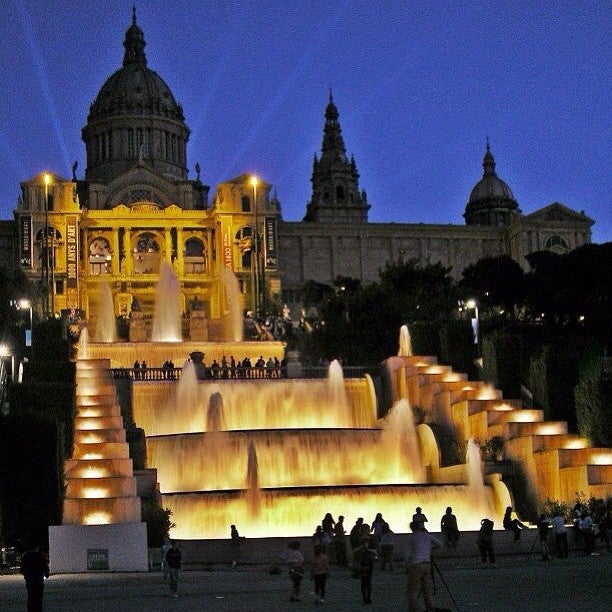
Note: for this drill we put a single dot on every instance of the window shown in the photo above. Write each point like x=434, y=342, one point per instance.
x=556, y=244
x=146, y=254
x=99, y=257
x=246, y=204
x=195, y=256
x=339, y=193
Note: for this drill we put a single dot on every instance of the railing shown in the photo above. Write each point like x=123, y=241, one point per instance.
x=237, y=373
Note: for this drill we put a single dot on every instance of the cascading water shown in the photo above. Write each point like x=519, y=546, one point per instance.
x=402, y=443
x=168, y=307
x=405, y=342
x=106, y=326
x=473, y=461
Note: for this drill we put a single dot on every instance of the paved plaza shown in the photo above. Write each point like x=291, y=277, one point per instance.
x=518, y=584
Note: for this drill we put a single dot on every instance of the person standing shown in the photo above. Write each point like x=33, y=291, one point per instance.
x=35, y=570
x=365, y=556
x=448, y=526
x=485, y=541
x=418, y=573
x=165, y=547
x=387, y=543
x=543, y=528
x=588, y=535
x=235, y=545
x=419, y=518
x=173, y=559
x=340, y=542
x=560, y=531
x=320, y=569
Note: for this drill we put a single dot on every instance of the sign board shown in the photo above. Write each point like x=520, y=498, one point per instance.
x=97, y=558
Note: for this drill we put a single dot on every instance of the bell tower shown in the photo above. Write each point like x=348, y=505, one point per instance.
x=335, y=180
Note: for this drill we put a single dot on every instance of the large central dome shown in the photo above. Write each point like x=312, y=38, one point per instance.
x=135, y=88
x=135, y=118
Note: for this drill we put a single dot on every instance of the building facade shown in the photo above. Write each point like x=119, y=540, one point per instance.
x=136, y=208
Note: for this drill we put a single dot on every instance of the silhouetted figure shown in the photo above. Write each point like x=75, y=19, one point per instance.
x=340, y=542
x=543, y=528
x=376, y=528
x=419, y=517
x=328, y=525
x=386, y=544
x=320, y=569
x=35, y=570
x=165, y=547
x=448, y=527
x=173, y=559
x=235, y=545
x=143, y=370
x=293, y=556
x=136, y=370
x=485, y=541
x=511, y=523
x=560, y=531
x=587, y=532
x=576, y=515
x=365, y=556
x=418, y=572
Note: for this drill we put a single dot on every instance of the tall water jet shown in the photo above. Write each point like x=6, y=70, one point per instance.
x=337, y=391
x=106, y=326
x=473, y=462
x=232, y=310
x=401, y=440
x=253, y=493
x=168, y=307
x=83, y=346
x=405, y=342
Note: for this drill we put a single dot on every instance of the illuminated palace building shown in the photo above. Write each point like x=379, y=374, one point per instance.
x=137, y=208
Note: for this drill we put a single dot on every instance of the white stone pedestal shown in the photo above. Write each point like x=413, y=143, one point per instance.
x=121, y=547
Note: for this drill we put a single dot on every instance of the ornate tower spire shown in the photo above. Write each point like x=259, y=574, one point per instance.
x=488, y=163
x=134, y=44
x=335, y=179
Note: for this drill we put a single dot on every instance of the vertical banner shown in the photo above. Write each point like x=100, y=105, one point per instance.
x=72, y=262
x=25, y=241
x=227, y=250
x=270, y=243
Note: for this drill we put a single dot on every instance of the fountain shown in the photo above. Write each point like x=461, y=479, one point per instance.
x=168, y=307
x=106, y=326
x=232, y=317
x=405, y=342
x=83, y=346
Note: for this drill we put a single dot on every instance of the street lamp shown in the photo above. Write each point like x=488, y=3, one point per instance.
x=24, y=304
x=475, y=319
x=47, y=180
x=255, y=250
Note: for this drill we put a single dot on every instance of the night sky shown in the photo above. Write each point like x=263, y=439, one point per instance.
x=419, y=87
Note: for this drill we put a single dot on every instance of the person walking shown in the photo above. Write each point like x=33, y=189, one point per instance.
x=165, y=547
x=320, y=569
x=35, y=570
x=560, y=531
x=448, y=527
x=294, y=557
x=485, y=541
x=418, y=573
x=174, y=559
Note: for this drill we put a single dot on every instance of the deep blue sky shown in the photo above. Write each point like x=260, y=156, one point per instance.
x=419, y=86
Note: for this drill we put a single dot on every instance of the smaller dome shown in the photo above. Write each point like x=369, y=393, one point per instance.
x=491, y=201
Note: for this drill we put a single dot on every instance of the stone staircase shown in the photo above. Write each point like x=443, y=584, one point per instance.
x=558, y=465
x=100, y=484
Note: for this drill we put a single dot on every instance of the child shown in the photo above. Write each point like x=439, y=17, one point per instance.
x=320, y=568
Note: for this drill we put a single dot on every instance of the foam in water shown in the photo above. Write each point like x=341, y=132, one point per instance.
x=168, y=307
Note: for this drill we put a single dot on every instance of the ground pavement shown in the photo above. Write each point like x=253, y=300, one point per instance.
x=519, y=584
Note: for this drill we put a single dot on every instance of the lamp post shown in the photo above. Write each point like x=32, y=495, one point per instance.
x=47, y=179
x=24, y=304
x=255, y=250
